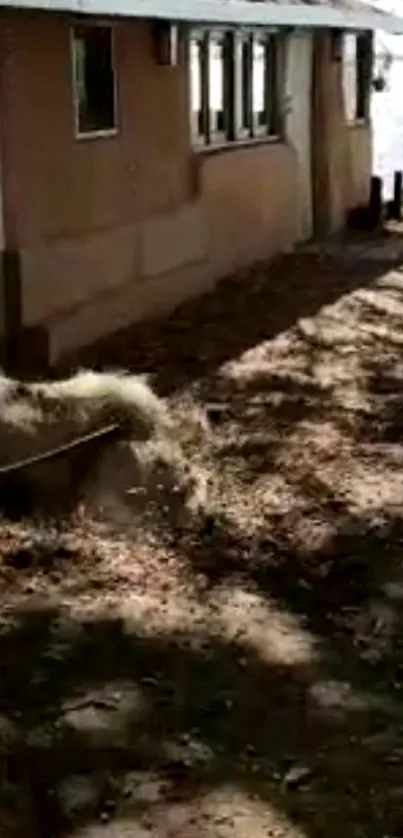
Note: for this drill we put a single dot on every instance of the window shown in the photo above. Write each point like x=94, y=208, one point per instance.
x=233, y=87
x=243, y=88
x=364, y=74
x=259, y=86
x=93, y=80
x=198, y=88
x=216, y=86
x=357, y=60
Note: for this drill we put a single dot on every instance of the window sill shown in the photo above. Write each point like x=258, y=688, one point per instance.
x=97, y=135
x=236, y=145
x=362, y=122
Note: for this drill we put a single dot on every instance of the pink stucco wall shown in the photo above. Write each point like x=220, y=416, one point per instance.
x=112, y=230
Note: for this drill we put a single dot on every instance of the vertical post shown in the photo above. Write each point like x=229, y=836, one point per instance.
x=375, y=200
x=11, y=304
x=397, y=196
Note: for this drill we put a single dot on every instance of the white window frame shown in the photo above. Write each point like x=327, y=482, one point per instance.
x=102, y=132
x=261, y=130
x=236, y=131
x=199, y=138
x=350, y=77
x=217, y=136
x=271, y=128
x=242, y=131
x=351, y=70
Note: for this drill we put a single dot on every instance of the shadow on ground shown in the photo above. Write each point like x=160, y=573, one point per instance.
x=263, y=694
x=241, y=312
x=105, y=720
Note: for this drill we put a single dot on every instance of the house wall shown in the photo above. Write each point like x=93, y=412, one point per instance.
x=341, y=150
x=358, y=133
x=112, y=230
x=115, y=229
x=298, y=124
x=359, y=162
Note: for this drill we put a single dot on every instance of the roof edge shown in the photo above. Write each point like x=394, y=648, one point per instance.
x=225, y=12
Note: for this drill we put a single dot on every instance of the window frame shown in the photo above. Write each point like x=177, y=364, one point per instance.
x=97, y=133
x=362, y=78
x=238, y=130
x=261, y=129
x=243, y=131
x=199, y=120
x=215, y=135
x=274, y=67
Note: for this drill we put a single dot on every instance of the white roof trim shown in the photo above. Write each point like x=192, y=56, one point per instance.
x=226, y=12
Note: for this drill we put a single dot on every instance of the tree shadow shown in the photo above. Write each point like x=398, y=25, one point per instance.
x=201, y=335
x=257, y=415
x=107, y=705
x=107, y=718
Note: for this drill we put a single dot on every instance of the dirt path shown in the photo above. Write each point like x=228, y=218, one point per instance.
x=245, y=679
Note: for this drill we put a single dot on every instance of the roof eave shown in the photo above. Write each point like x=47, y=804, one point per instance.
x=225, y=12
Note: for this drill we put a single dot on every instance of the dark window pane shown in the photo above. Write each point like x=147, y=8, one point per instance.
x=364, y=61
x=246, y=85
x=197, y=59
x=94, y=79
x=273, y=111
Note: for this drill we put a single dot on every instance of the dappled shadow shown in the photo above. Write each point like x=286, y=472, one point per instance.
x=257, y=412
x=109, y=721
x=253, y=306
x=247, y=678
x=346, y=580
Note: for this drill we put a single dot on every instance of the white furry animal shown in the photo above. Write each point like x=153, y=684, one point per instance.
x=129, y=396
x=40, y=416
x=36, y=418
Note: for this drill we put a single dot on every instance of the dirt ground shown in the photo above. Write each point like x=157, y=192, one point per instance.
x=243, y=678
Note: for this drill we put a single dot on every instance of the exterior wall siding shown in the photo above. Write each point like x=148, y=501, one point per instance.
x=359, y=162
x=116, y=229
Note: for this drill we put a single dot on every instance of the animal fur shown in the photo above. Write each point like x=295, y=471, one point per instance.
x=38, y=417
